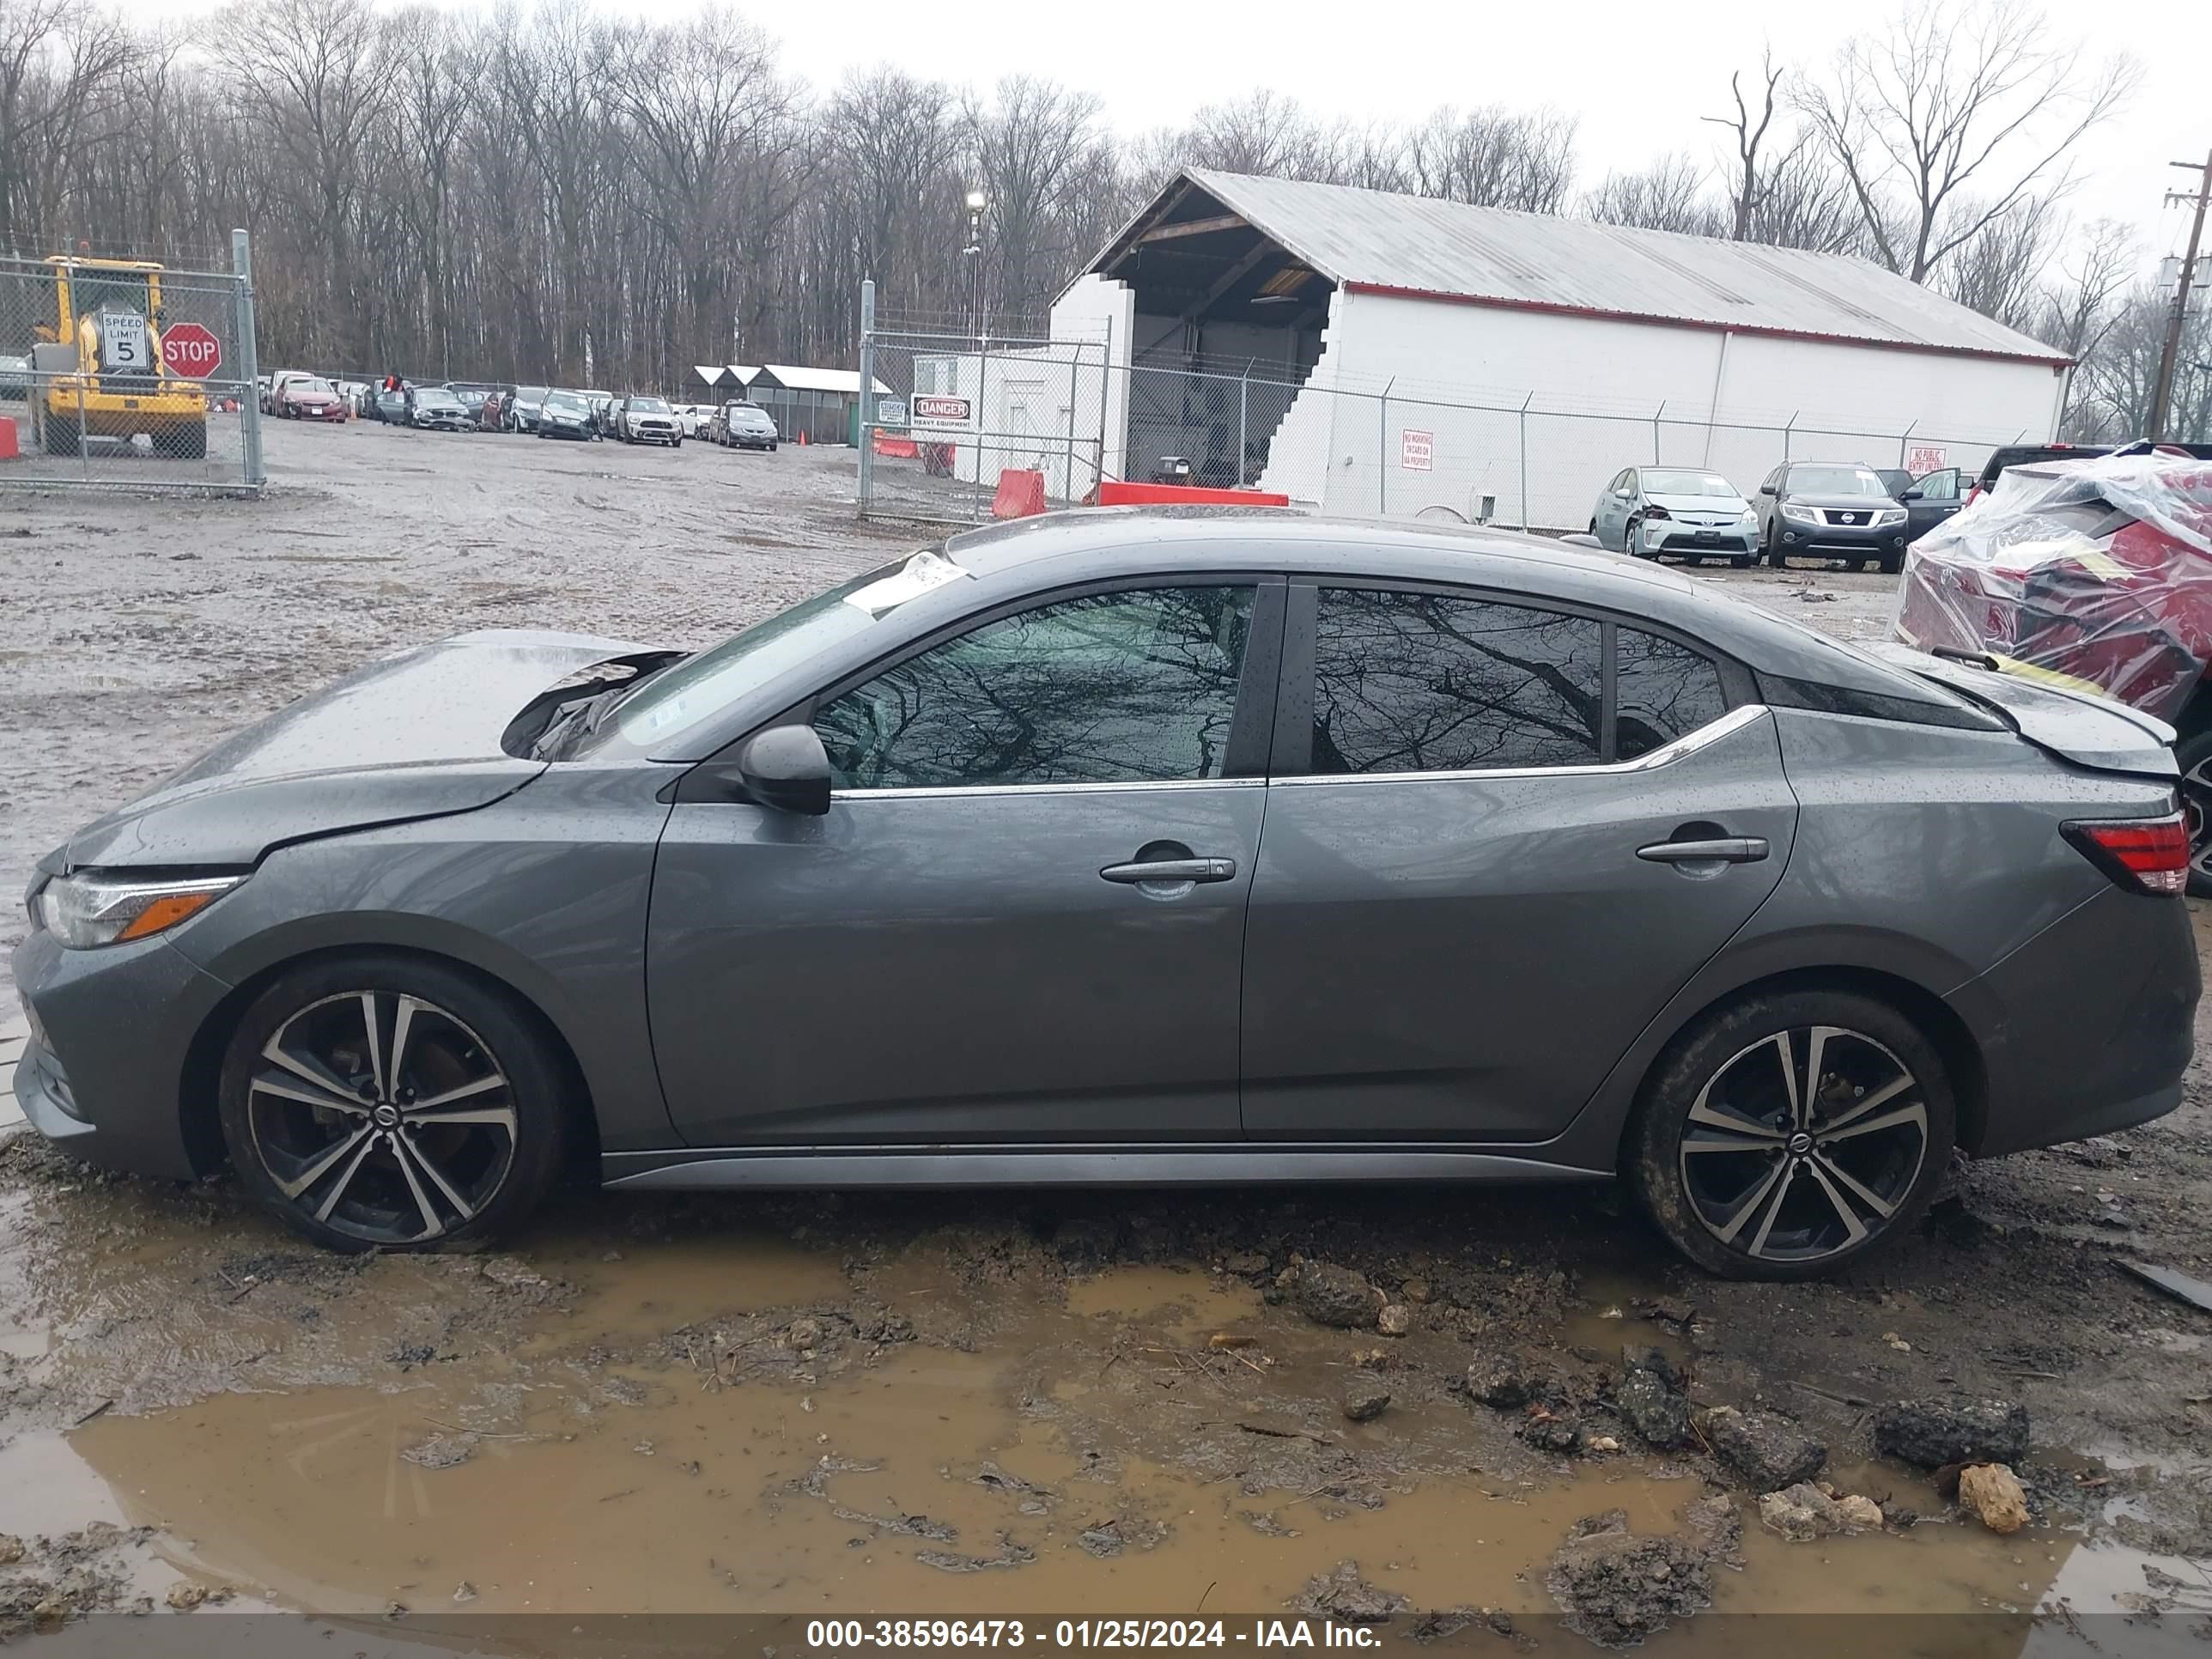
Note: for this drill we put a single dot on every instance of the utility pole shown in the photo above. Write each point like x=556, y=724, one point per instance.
x=2170, y=358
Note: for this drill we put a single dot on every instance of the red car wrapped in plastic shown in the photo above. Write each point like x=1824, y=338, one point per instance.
x=2094, y=575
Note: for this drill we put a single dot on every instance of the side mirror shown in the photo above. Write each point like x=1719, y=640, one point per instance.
x=1766, y=490
x=786, y=768
x=1912, y=495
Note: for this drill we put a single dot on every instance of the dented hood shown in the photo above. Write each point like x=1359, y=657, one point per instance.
x=412, y=736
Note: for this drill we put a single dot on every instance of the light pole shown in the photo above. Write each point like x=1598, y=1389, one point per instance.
x=973, y=251
x=2177, y=323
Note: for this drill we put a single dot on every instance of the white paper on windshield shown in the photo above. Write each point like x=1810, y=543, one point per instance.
x=924, y=571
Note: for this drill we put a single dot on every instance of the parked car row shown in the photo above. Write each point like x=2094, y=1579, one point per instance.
x=1863, y=515
x=540, y=410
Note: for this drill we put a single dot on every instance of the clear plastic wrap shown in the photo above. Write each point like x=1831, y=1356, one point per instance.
x=2096, y=573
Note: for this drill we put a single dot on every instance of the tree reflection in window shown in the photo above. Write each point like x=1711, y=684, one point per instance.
x=1110, y=688
x=1418, y=682
x=1666, y=692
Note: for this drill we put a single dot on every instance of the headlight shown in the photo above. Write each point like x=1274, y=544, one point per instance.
x=1797, y=515
x=92, y=909
x=1749, y=515
x=1890, y=515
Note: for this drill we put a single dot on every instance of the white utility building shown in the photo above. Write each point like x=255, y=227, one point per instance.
x=1373, y=353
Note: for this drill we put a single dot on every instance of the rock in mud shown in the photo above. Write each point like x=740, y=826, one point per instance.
x=11, y=1549
x=1992, y=1493
x=1617, y=1587
x=1716, y=1525
x=1365, y=1398
x=1395, y=1319
x=1336, y=1296
x=1245, y=1263
x=805, y=1332
x=1561, y=1435
x=442, y=1451
x=1345, y=1594
x=1929, y=1433
x=1640, y=1356
x=1654, y=1407
x=1502, y=1380
x=1805, y=1511
x=1765, y=1452
x=183, y=1598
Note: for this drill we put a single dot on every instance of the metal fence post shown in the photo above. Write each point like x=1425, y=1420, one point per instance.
x=1904, y=438
x=1655, y=417
x=982, y=413
x=249, y=363
x=1525, y=402
x=867, y=434
x=1383, y=450
x=1243, y=424
x=1787, y=430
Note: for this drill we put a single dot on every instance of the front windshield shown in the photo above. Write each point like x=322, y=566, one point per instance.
x=313, y=388
x=1834, y=481
x=656, y=715
x=436, y=400
x=566, y=403
x=528, y=394
x=1656, y=482
x=649, y=406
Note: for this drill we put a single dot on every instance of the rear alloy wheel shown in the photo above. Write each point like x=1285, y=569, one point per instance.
x=1628, y=533
x=2193, y=753
x=1794, y=1135
x=384, y=1103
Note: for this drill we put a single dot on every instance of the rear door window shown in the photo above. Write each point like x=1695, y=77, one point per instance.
x=1413, y=682
x=1664, y=690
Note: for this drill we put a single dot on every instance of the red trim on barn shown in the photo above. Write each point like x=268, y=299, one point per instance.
x=1555, y=308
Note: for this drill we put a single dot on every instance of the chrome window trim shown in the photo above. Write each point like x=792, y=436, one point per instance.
x=929, y=792
x=1713, y=731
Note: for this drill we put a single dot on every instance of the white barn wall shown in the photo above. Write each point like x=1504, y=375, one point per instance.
x=1615, y=376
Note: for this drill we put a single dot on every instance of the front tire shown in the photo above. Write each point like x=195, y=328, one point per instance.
x=377, y=1101
x=1792, y=1134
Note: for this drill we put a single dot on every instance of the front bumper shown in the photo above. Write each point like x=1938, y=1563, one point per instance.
x=1840, y=541
x=104, y=1074
x=1673, y=536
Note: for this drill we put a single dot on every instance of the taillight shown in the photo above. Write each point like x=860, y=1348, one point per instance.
x=2143, y=855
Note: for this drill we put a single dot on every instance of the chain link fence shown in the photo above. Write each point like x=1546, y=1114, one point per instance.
x=977, y=424
x=124, y=372
x=964, y=425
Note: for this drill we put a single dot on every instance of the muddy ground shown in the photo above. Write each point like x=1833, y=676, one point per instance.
x=971, y=1403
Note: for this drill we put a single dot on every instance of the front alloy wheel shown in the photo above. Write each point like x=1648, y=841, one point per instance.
x=391, y=1109
x=1793, y=1133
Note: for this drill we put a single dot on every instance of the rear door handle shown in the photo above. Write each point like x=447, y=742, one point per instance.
x=1723, y=849
x=1170, y=870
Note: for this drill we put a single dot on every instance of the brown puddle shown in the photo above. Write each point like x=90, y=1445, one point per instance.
x=663, y=1444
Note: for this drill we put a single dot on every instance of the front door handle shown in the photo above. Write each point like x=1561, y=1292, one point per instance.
x=1721, y=849
x=1146, y=872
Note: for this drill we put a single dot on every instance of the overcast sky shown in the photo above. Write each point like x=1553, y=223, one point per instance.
x=1637, y=76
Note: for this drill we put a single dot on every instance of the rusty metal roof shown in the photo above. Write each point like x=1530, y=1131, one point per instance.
x=1373, y=240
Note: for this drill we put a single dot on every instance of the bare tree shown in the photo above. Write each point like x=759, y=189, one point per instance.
x=1495, y=158
x=1670, y=194
x=1945, y=121
x=1998, y=270
x=1751, y=182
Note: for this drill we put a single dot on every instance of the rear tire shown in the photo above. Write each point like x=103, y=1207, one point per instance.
x=1791, y=1177
x=2193, y=755
x=356, y=1157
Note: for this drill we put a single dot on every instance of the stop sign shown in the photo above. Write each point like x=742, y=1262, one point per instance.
x=189, y=350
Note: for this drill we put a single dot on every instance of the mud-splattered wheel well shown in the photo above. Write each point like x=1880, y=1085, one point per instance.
x=1945, y=1031
x=197, y=1093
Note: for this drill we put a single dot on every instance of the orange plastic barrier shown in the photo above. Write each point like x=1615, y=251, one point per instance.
x=8, y=447
x=1021, y=494
x=899, y=449
x=1113, y=493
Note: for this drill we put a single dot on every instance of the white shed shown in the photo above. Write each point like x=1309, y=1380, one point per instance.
x=1375, y=353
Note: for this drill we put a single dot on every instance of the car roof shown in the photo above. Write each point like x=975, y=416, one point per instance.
x=1094, y=543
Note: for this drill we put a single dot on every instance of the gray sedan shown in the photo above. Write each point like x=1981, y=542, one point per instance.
x=1163, y=848
x=1646, y=511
